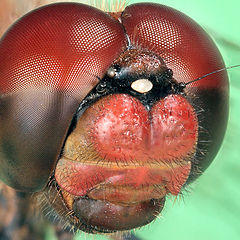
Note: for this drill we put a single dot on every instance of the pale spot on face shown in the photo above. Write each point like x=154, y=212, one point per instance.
x=142, y=85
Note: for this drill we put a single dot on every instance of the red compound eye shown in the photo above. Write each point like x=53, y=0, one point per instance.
x=49, y=62
x=101, y=104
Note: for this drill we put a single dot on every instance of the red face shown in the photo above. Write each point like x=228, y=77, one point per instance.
x=96, y=102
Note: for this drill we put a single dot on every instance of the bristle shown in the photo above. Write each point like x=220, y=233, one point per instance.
x=109, y=5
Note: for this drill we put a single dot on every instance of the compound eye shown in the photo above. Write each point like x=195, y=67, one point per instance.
x=49, y=60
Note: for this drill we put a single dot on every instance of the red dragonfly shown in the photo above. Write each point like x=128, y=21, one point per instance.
x=104, y=114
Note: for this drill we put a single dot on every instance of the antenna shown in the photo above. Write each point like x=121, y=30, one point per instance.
x=183, y=85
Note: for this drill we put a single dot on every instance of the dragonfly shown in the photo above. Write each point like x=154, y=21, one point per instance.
x=112, y=71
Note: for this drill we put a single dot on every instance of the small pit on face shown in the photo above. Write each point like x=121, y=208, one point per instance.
x=142, y=85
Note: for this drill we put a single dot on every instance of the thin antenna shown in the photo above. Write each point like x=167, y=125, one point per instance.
x=183, y=85
x=130, y=46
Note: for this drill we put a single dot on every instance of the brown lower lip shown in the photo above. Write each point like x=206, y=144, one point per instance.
x=107, y=216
